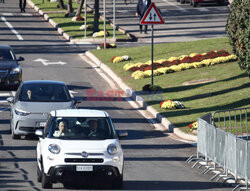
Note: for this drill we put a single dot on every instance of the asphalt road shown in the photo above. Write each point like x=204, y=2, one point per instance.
x=154, y=159
x=182, y=21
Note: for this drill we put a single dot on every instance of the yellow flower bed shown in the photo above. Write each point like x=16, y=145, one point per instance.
x=176, y=68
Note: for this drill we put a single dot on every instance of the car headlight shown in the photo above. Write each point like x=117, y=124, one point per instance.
x=21, y=112
x=112, y=149
x=54, y=148
x=15, y=70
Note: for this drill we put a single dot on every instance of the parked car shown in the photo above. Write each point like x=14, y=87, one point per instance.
x=10, y=70
x=75, y=153
x=33, y=102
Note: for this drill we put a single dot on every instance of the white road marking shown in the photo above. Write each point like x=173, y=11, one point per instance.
x=26, y=14
x=46, y=62
x=7, y=14
x=203, y=9
x=172, y=4
x=4, y=94
x=12, y=28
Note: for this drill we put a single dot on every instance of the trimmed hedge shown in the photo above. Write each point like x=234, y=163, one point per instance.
x=238, y=31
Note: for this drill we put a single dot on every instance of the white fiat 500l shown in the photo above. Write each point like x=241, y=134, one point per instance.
x=79, y=144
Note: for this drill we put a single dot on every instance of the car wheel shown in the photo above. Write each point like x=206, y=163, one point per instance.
x=39, y=174
x=195, y=4
x=117, y=183
x=14, y=136
x=45, y=181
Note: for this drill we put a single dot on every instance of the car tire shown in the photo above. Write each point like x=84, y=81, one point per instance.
x=46, y=181
x=14, y=136
x=195, y=4
x=39, y=174
x=117, y=183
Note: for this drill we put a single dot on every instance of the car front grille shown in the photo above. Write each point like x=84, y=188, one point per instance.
x=3, y=73
x=84, y=160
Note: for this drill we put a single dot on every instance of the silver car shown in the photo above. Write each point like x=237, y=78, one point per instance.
x=32, y=103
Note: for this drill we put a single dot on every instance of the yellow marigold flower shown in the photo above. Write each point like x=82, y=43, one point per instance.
x=161, y=60
x=172, y=58
x=127, y=66
x=182, y=56
x=138, y=75
x=192, y=54
x=168, y=104
x=135, y=73
x=176, y=68
x=117, y=59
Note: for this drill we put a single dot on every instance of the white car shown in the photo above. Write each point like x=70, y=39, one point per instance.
x=76, y=151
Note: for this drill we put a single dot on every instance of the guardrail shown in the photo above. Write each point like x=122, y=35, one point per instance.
x=223, y=145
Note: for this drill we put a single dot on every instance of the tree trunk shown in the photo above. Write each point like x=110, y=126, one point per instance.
x=70, y=8
x=61, y=4
x=78, y=13
x=96, y=17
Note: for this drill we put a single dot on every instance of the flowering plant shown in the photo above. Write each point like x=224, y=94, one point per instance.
x=117, y=59
x=100, y=34
x=170, y=104
x=101, y=46
x=193, y=126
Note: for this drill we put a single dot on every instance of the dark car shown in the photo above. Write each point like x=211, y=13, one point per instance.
x=10, y=70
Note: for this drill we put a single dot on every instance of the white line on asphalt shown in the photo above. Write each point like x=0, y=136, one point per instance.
x=12, y=28
x=172, y=4
x=7, y=14
x=26, y=14
x=203, y=9
x=13, y=93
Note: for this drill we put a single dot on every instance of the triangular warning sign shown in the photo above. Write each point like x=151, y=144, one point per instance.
x=152, y=16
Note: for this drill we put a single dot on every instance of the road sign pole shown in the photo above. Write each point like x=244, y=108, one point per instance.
x=104, y=22
x=152, y=54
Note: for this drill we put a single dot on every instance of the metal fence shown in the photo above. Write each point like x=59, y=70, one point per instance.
x=223, y=143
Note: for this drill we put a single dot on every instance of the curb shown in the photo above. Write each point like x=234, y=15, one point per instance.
x=163, y=120
x=78, y=41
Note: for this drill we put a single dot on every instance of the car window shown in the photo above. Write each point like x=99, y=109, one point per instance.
x=44, y=93
x=6, y=55
x=80, y=128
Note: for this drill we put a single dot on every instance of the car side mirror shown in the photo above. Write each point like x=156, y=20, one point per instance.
x=20, y=59
x=76, y=101
x=10, y=99
x=122, y=133
x=39, y=133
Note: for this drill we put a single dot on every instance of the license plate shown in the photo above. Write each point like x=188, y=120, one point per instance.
x=42, y=124
x=84, y=168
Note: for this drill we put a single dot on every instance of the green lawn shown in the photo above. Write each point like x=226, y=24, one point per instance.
x=70, y=27
x=229, y=90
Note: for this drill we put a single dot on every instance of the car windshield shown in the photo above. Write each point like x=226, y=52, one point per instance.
x=6, y=55
x=80, y=128
x=44, y=92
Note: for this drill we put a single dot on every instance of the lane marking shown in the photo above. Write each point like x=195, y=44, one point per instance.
x=4, y=94
x=12, y=28
x=172, y=4
x=7, y=14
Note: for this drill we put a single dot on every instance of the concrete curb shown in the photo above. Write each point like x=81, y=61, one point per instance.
x=78, y=41
x=163, y=120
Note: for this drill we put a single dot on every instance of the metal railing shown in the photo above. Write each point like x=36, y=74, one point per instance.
x=223, y=146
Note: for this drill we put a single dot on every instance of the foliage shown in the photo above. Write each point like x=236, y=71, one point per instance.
x=238, y=32
x=153, y=88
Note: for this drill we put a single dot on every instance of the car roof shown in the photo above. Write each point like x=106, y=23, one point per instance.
x=43, y=82
x=4, y=46
x=79, y=113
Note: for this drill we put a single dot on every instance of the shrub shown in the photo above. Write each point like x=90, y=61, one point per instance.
x=238, y=31
x=150, y=88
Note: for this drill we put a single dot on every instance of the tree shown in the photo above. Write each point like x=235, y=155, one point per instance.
x=60, y=4
x=70, y=7
x=238, y=31
x=79, y=9
x=96, y=16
